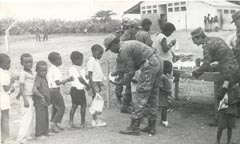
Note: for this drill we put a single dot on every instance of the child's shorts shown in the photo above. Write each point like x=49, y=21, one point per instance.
x=78, y=96
x=226, y=121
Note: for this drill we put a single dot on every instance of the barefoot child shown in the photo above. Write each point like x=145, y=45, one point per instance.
x=26, y=81
x=6, y=82
x=55, y=81
x=77, y=90
x=96, y=77
x=41, y=100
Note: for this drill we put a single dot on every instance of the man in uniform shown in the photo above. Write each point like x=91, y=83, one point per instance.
x=216, y=50
x=134, y=56
x=144, y=35
x=131, y=28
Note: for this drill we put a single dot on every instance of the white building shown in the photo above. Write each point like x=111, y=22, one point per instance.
x=186, y=14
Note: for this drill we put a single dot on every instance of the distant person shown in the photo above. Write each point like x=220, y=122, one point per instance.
x=215, y=21
x=78, y=85
x=208, y=22
x=205, y=22
x=45, y=33
x=41, y=100
x=144, y=35
x=37, y=34
x=85, y=31
x=211, y=24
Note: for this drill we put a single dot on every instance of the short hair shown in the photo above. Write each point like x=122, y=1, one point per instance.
x=52, y=57
x=168, y=27
x=75, y=55
x=97, y=47
x=167, y=67
x=40, y=63
x=24, y=55
x=146, y=21
x=3, y=58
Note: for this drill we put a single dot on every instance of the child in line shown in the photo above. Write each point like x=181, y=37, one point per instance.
x=77, y=90
x=227, y=111
x=55, y=80
x=41, y=100
x=96, y=77
x=165, y=91
x=6, y=82
x=26, y=81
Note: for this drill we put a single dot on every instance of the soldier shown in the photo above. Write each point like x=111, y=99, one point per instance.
x=135, y=55
x=216, y=50
x=131, y=28
x=236, y=49
x=144, y=35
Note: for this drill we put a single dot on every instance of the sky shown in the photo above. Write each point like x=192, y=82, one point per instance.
x=61, y=9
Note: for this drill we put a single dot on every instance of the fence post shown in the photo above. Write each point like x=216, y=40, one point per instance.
x=108, y=86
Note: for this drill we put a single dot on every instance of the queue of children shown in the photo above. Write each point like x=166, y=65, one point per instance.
x=211, y=23
x=39, y=91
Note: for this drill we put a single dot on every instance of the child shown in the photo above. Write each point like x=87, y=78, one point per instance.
x=41, y=100
x=55, y=81
x=77, y=90
x=6, y=82
x=96, y=77
x=26, y=81
x=227, y=111
x=165, y=91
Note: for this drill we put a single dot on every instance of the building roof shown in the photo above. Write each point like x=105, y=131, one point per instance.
x=221, y=4
x=134, y=9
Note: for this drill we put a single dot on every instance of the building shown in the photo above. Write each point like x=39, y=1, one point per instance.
x=185, y=14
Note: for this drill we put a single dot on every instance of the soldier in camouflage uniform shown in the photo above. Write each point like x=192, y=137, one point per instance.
x=128, y=34
x=216, y=50
x=144, y=35
x=236, y=49
x=138, y=56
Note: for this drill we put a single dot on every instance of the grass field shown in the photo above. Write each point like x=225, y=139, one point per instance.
x=188, y=120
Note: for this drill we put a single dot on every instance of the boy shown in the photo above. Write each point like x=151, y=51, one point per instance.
x=6, y=82
x=41, y=100
x=26, y=81
x=227, y=111
x=96, y=77
x=55, y=81
x=77, y=90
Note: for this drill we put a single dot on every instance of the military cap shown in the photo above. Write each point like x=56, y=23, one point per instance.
x=108, y=40
x=134, y=23
x=196, y=32
x=235, y=16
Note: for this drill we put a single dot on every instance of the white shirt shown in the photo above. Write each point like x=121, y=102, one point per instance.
x=94, y=67
x=164, y=55
x=76, y=72
x=5, y=77
x=54, y=74
x=28, y=80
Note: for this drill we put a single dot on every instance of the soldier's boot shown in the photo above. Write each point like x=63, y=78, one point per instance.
x=133, y=129
x=147, y=128
x=152, y=130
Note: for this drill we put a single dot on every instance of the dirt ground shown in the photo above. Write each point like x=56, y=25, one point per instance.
x=188, y=121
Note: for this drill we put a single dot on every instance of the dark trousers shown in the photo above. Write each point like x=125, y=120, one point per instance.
x=4, y=124
x=42, y=120
x=58, y=106
x=127, y=97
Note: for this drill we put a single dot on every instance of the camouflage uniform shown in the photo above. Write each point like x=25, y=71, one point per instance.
x=215, y=49
x=134, y=55
x=144, y=37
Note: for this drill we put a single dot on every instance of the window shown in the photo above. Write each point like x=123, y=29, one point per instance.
x=226, y=11
x=143, y=7
x=232, y=11
x=149, y=11
x=183, y=3
x=176, y=9
x=155, y=11
x=149, y=7
x=176, y=4
x=154, y=6
x=183, y=8
x=170, y=9
x=169, y=4
x=143, y=12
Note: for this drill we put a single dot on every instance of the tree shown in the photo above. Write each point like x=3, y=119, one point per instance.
x=103, y=17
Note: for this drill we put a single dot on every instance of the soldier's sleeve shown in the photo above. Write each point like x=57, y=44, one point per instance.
x=129, y=67
x=207, y=58
x=120, y=68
